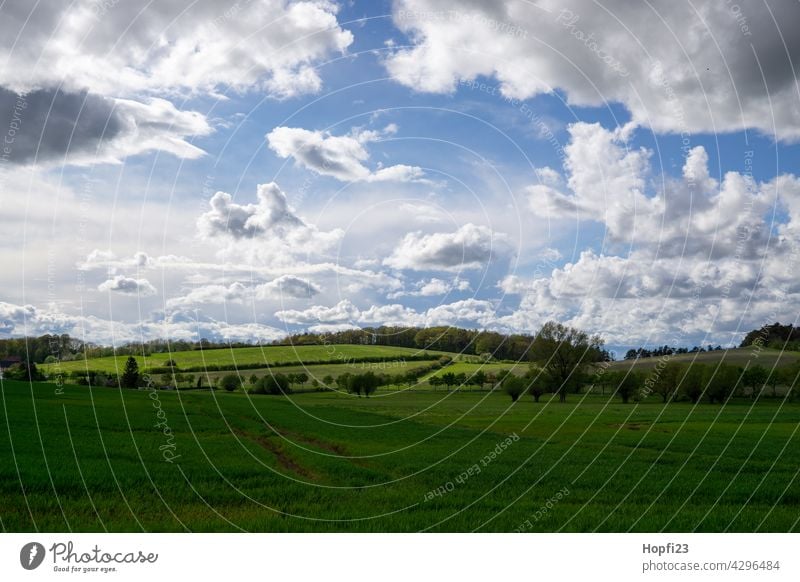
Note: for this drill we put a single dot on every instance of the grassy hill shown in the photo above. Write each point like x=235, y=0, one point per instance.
x=96, y=459
x=736, y=356
x=246, y=357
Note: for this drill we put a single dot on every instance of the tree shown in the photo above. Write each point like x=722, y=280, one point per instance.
x=328, y=381
x=514, y=386
x=478, y=378
x=539, y=382
x=253, y=379
x=130, y=374
x=721, y=383
x=229, y=382
x=26, y=371
x=627, y=384
x=449, y=379
x=693, y=383
x=668, y=381
x=354, y=384
x=755, y=377
x=500, y=375
x=563, y=351
x=369, y=383
x=343, y=382
x=272, y=384
x=301, y=378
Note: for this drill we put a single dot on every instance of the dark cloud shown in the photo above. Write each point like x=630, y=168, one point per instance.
x=51, y=124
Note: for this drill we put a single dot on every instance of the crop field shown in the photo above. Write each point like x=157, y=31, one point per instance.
x=736, y=357
x=266, y=355
x=105, y=459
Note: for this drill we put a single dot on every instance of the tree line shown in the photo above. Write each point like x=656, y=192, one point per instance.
x=485, y=344
x=777, y=336
x=665, y=350
x=672, y=382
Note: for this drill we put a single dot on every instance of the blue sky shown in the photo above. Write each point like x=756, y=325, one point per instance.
x=321, y=165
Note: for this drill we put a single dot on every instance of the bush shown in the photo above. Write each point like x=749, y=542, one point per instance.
x=26, y=371
x=514, y=386
x=272, y=384
x=229, y=382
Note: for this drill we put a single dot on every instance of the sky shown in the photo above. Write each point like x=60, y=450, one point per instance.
x=181, y=169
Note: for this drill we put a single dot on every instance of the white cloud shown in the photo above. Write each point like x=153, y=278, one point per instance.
x=98, y=74
x=115, y=48
x=342, y=312
x=342, y=157
x=470, y=247
x=608, y=182
x=127, y=286
x=52, y=126
x=468, y=312
x=548, y=176
x=288, y=285
x=210, y=294
x=17, y=320
x=677, y=67
x=433, y=287
x=683, y=257
x=269, y=227
x=106, y=259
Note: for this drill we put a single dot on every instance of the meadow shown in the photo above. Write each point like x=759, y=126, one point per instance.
x=247, y=357
x=109, y=459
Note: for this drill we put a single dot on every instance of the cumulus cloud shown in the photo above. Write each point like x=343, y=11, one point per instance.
x=269, y=220
x=433, y=287
x=210, y=294
x=127, y=286
x=97, y=75
x=170, y=46
x=12, y=316
x=238, y=292
x=470, y=247
x=106, y=259
x=17, y=320
x=341, y=157
x=51, y=125
x=468, y=312
x=607, y=181
x=342, y=312
x=288, y=285
x=677, y=67
x=701, y=255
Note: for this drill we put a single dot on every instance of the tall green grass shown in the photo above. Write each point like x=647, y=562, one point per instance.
x=89, y=459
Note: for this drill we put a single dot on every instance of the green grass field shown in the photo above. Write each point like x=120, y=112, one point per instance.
x=266, y=355
x=94, y=460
